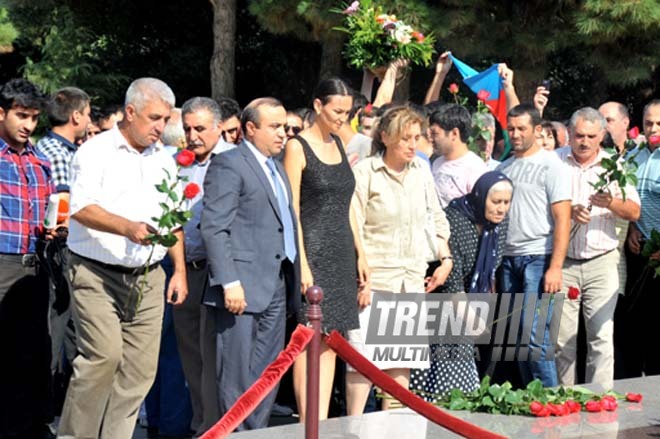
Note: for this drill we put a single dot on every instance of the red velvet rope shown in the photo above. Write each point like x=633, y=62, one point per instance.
x=387, y=384
x=263, y=386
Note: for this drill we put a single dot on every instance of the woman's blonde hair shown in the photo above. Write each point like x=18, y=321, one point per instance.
x=393, y=123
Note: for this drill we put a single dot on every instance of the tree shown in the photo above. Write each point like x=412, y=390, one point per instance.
x=8, y=32
x=223, y=60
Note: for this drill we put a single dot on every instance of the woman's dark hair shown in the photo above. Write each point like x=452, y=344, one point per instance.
x=331, y=87
x=547, y=125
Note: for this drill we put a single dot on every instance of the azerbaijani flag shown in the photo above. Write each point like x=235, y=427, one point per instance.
x=489, y=82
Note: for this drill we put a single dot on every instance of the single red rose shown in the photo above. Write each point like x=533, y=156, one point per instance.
x=633, y=397
x=185, y=158
x=654, y=140
x=573, y=406
x=483, y=95
x=191, y=190
x=633, y=133
x=573, y=293
x=453, y=88
x=593, y=406
x=543, y=413
x=535, y=407
x=609, y=403
x=557, y=409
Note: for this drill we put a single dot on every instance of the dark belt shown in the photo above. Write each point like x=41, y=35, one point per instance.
x=26, y=260
x=135, y=271
x=197, y=265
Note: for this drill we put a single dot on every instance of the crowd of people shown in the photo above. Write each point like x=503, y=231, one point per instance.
x=352, y=196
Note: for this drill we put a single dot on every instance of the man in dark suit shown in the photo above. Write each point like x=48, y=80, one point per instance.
x=249, y=230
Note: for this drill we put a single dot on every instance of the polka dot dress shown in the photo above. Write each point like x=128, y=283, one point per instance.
x=453, y=365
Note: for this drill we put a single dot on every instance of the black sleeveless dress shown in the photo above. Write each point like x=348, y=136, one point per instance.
x=325, y=199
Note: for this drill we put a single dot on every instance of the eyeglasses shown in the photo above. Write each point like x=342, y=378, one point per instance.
x=295, y=130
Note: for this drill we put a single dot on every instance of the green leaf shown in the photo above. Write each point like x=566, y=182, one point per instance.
x=164, y=206
x=173, y=196
x=168, y=240
x=457, y=404
x=163, y=187
x=487, y=401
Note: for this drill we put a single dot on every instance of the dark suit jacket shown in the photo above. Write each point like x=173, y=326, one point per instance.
x=242, y=231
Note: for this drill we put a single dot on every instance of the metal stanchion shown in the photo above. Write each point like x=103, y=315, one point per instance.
x=314, y=296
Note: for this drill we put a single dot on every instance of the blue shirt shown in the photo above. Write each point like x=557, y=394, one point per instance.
x=648, y=187
x=195, y=250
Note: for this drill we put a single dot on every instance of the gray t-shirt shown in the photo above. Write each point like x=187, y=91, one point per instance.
x=538, y=181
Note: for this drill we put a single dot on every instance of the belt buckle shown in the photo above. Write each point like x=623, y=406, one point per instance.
x=28, y=260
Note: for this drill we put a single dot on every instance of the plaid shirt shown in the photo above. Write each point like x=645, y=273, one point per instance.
x=25, y=185
x=59, y=152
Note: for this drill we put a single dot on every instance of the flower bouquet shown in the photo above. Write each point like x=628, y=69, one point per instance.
x=377, y=38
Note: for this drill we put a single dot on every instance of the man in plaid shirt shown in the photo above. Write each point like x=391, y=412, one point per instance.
x=25, y=185
x=68, y=112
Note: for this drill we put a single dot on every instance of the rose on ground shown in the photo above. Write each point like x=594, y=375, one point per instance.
x=654, y=140
x=573, y=406
x=453, y=88
x=593, y=406
x=191, y=190
x=633, y=397
x=543, y=413
x=483, y=95
x=573, y=293
x=608, y=403
x=185, y=158
x=633, y=133
x=535, y=407
x=557, y=409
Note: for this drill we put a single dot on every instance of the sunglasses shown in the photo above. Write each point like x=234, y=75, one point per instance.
x=295, y=130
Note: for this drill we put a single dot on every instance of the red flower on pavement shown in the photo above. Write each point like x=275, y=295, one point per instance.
x=483, y=95
x=633, y=397
x=573, y=406
x=558, y=409
x=593, y=406
x=191, y=190
x=453, y=88
x=573, y=293
x=609, y=403
x=654, y=140
x=633, y=133
x=535, y=407
x=185, y=158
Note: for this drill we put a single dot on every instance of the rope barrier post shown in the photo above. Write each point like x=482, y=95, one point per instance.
x=314, y=296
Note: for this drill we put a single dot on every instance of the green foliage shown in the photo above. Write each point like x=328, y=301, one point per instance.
x=375, y=39
x=8, y=32
x=480, y=132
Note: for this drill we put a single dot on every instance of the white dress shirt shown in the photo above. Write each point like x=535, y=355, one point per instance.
x=108, y=172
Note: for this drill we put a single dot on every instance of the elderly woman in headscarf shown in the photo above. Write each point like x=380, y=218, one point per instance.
x=478, y=231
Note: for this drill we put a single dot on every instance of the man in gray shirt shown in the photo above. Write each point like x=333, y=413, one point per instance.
x=539, y=223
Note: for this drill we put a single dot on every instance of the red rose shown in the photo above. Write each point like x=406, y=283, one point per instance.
x=573, y=406
x=483, y=95
x=558, y=409
x=191, y=190
x=654, y=140
x=368, y=109
x=535, y=407
x=453, y=88
x=543, y=413
x=634, y=397
x=608, y=403
x=573, y=293
x=593, y=406
x=633, y=133
x=185, y=158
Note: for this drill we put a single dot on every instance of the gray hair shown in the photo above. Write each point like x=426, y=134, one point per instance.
x=588, y=114
x=143, y=90
x=196, y=104
x=173, y=134
x=486, y=118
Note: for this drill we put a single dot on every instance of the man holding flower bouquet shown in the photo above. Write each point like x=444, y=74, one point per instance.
x=114, y=203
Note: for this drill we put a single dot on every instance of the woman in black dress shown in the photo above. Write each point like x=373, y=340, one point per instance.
x=330, y=252
x=478, y=232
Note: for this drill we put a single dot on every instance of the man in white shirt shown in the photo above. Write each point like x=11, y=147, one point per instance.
x=113, y=201
x=457, y=168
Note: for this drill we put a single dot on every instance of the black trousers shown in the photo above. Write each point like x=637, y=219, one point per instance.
x=26, y=353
